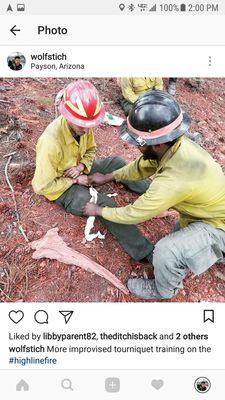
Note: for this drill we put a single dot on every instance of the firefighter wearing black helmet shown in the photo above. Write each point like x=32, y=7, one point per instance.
x=185, y=178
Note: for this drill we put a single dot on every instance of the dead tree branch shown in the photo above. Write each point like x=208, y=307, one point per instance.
x=20, y=228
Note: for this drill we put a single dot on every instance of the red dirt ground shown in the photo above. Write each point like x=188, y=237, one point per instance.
x=26, y=107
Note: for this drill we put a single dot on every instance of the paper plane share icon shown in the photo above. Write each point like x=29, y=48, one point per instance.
x=67, y=315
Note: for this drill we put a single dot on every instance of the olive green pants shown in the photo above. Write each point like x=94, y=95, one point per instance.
x=126, y=106
x=129, y=236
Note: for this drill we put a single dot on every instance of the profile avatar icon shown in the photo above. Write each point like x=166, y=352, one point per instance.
x=202, y=385
x=16, y=61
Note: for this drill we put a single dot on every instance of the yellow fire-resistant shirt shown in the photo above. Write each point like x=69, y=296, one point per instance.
x=186, y=179
x=56, y=151
x=132, y=88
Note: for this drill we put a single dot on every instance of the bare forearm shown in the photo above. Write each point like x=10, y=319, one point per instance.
x=109, y=177
x=100, y=179
x=91, y=209
x=81, y=166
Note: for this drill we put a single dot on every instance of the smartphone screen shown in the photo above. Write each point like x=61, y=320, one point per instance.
x=112, y=200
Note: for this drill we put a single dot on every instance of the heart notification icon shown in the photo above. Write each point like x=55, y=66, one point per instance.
x=157, y=383
x=16, y=316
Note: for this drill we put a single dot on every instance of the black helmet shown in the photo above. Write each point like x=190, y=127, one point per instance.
x=155, y=118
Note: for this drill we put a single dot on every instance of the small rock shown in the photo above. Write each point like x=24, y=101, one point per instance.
x=133, y=274
x=2, y=272
x=201, y=123
x=220, y=275
x=222, y=149
x=39, y=234
x=19, y=250
x=5, y=88
x=30, y=235
x=43, y=264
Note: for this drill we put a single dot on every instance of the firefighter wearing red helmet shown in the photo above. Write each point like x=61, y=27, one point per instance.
x=186, y=178
x=65, y=155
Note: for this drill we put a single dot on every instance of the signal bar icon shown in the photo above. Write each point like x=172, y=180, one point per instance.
x=154, y=8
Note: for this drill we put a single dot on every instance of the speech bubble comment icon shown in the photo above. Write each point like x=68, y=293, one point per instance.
x=41, y=317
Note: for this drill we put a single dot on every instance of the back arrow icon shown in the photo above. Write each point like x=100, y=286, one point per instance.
x=13, y=30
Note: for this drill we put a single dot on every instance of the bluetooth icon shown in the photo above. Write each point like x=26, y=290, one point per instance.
x=131, y=7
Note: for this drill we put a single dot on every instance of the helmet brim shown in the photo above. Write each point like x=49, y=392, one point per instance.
x=80, y=122
x=128, y=136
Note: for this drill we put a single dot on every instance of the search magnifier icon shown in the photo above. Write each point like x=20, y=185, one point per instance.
x=66, y=384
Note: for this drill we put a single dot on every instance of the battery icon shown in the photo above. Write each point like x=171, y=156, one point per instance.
x=183, y=7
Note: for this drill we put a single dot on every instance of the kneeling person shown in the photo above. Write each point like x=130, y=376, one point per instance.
x=186, y=178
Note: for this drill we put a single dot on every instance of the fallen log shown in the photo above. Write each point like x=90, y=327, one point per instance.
x=53, y=246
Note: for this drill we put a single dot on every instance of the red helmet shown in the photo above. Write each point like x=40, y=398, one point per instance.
x=80, y=104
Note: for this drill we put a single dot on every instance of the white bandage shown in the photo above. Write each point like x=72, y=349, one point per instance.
x=91, y=220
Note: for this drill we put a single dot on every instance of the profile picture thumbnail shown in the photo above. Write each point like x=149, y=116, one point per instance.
x=16, y=61
x=202, y=385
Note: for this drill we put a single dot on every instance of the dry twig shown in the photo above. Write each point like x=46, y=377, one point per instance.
x=38, y=80
x=10, y=154
x=5, y=101
x=20, y=228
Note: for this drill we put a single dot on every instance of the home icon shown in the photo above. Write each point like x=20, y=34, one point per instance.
x=22, y=386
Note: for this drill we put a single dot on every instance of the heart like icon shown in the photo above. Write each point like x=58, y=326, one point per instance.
x=16, y=316
x=157, y=383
